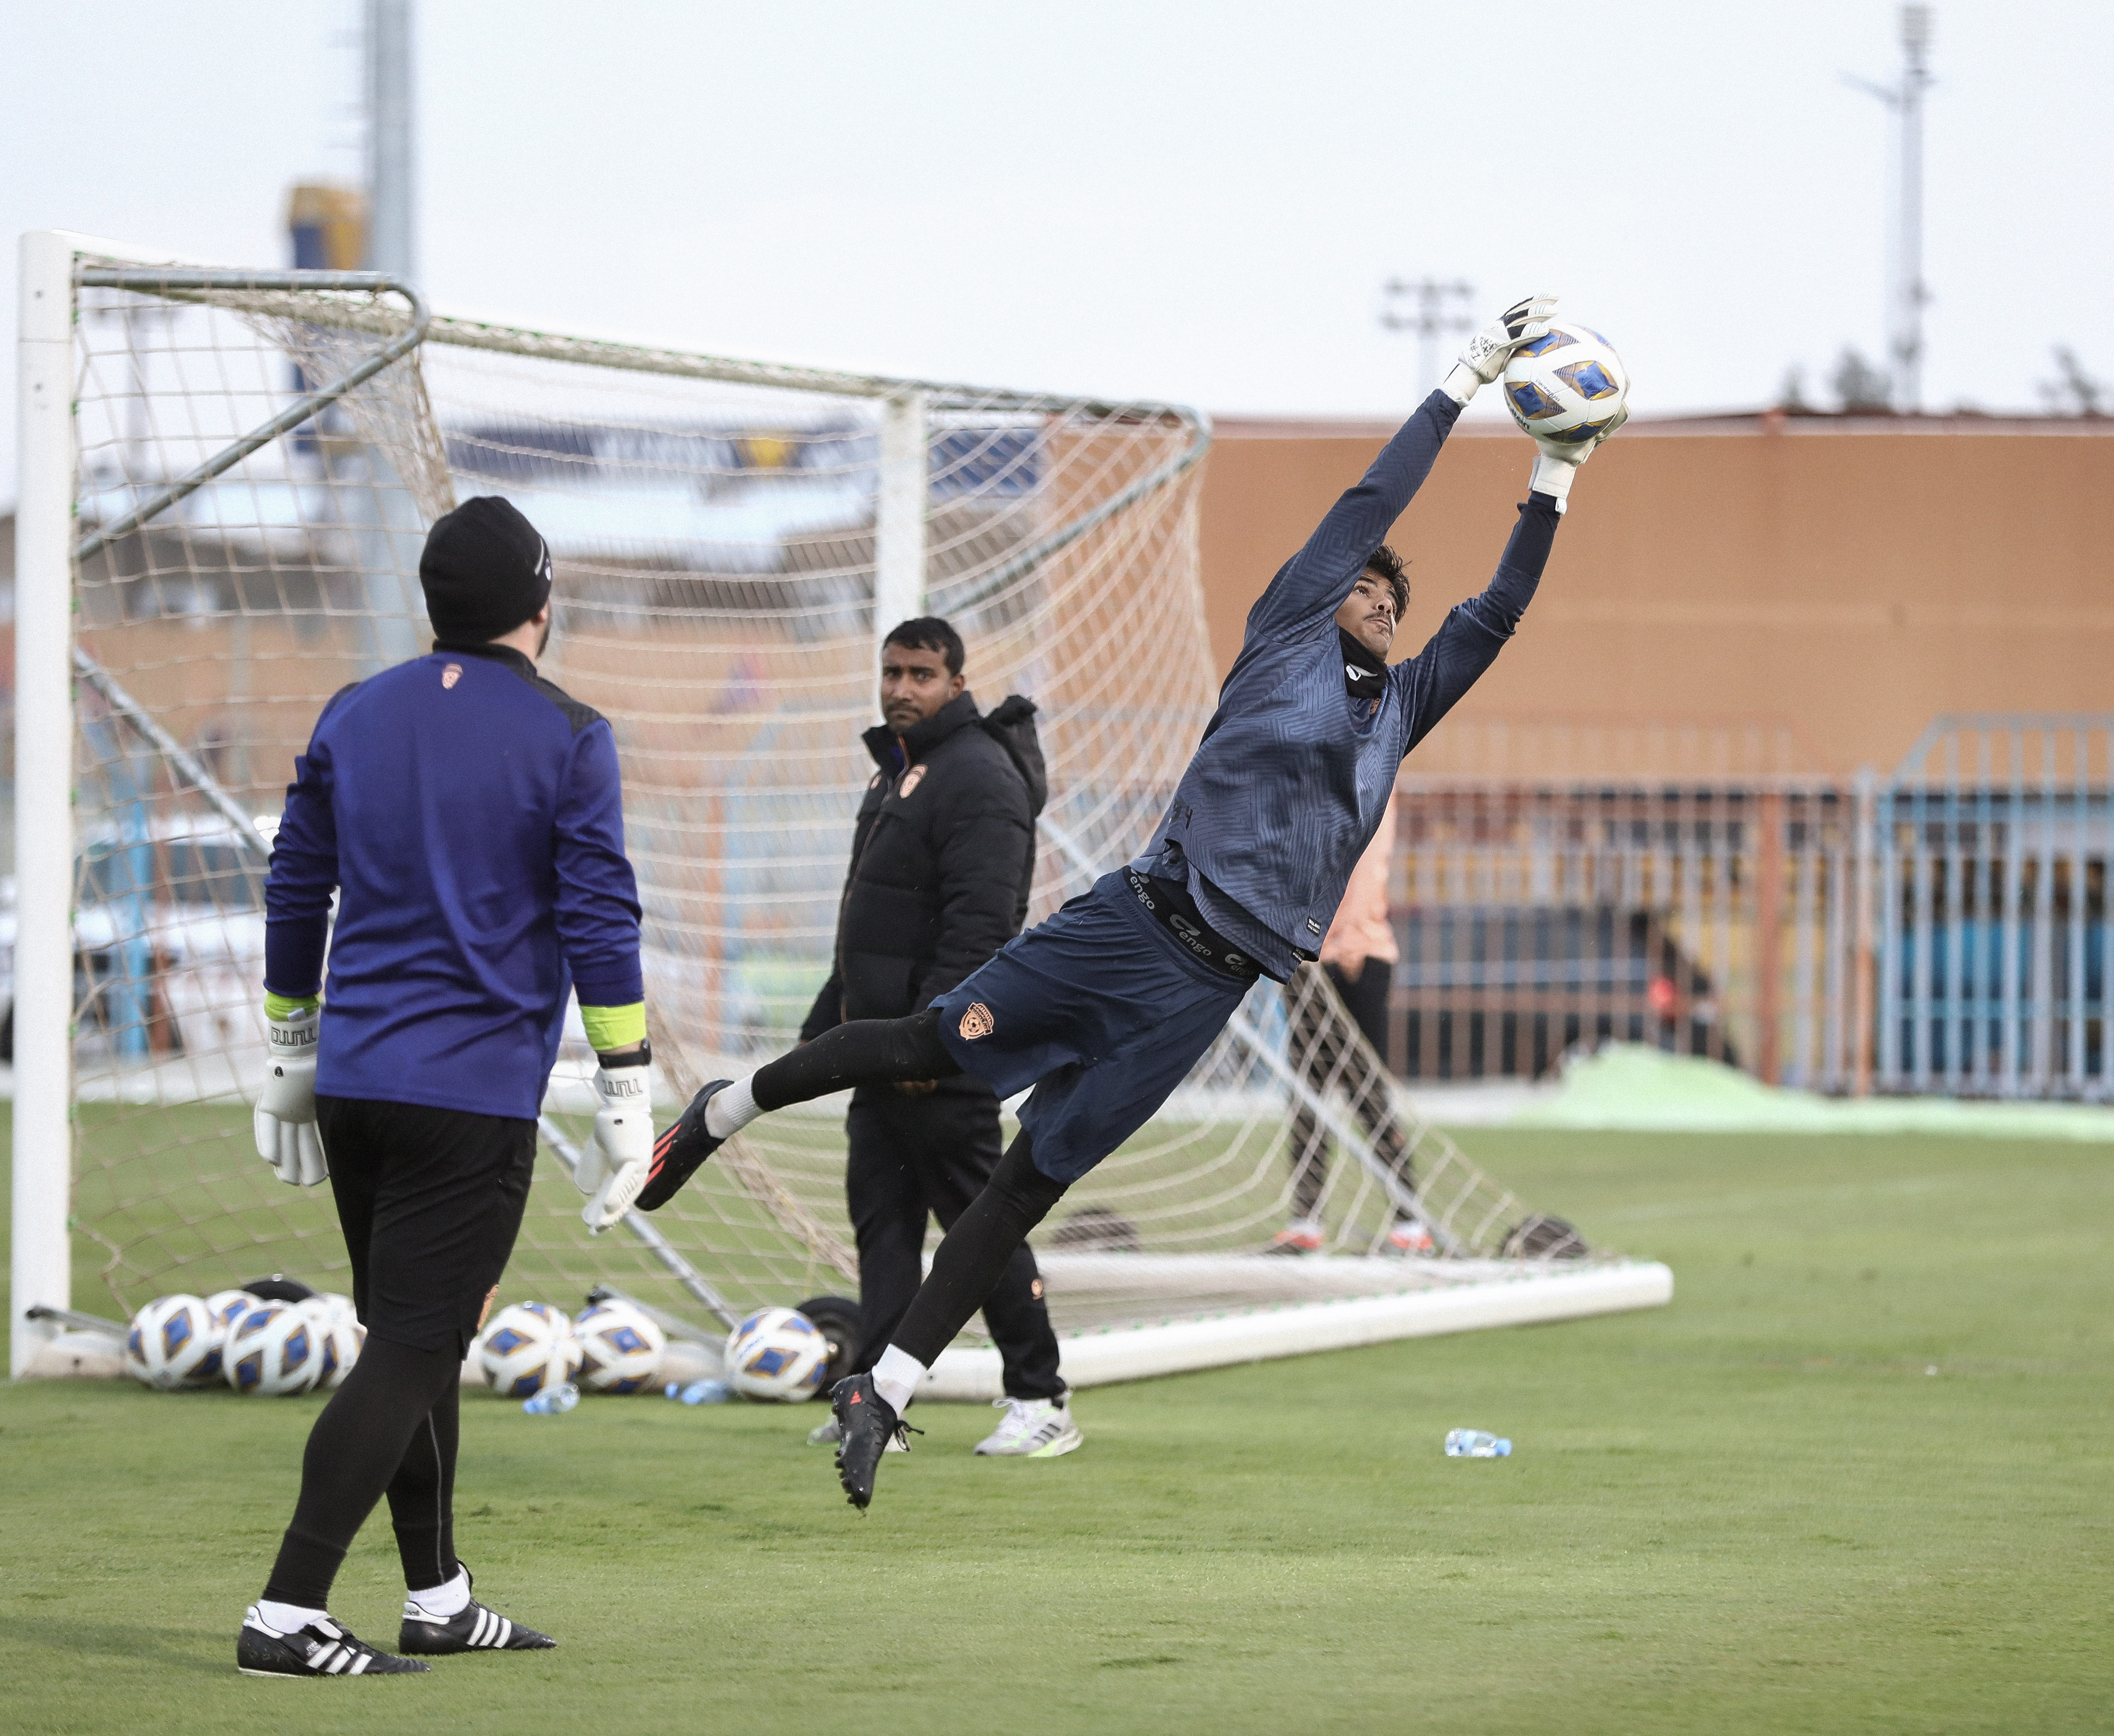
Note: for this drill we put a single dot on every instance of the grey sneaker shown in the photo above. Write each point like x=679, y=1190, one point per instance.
x=1032, y=1428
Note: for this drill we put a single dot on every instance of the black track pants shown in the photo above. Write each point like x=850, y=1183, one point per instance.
x=913, y=1156
x=974, y=1254
x=430, y=1201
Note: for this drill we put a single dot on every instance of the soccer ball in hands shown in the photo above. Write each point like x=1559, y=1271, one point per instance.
x=174, y=1341
x=776, y=1354
x=528, y=1346
x=622, y=1346
x=272, y=1350
x=1566, y=387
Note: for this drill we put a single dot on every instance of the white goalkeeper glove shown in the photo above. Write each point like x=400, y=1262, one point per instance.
x=1558, y=460
x=285, y=1118
x=619, y=1159
x=1492, y=347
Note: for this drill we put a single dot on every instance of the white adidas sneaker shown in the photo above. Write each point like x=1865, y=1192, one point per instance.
x=1032, y=1428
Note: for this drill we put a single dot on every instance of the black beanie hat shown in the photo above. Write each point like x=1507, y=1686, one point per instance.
x=484, y=571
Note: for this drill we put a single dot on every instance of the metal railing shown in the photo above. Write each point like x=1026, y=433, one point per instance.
x=1943, y=929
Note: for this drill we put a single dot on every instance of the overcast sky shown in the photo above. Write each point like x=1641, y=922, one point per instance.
x=1180, y=200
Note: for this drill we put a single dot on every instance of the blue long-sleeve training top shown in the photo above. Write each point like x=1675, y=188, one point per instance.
x=470, y=817
x=1289, y=784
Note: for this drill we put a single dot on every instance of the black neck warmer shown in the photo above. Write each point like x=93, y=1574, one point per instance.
x=1364, y=675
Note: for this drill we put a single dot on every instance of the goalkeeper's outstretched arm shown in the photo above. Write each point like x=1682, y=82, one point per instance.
x=1469, y=639
x=1312, y=585
x=1473, y=633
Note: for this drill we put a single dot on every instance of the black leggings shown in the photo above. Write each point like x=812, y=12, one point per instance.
x=390, y=1429
x=867, y=1051
x=973, y=1256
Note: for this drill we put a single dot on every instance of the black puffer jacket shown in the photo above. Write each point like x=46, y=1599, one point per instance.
x=942, y=862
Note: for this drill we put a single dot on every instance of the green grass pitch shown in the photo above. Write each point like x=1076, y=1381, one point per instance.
x=1756, y=1510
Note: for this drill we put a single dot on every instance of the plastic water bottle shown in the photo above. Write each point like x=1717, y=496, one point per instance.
x=552, y=1401
x=701, y=1392
x=1476, y=1443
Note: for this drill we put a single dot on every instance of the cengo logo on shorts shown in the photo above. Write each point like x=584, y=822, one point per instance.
x=978, y=1021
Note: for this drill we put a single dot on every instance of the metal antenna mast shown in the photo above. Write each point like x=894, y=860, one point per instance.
x=1438, y=309
x=1907, y=295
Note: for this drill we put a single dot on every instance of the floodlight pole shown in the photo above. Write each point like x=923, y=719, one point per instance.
x=1431, y=319
x=391, y=196
x=1907, y=295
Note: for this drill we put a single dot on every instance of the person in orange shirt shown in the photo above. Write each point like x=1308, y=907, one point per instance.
x=1358, y=957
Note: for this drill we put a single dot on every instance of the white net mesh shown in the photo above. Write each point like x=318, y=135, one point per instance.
x=714, y=530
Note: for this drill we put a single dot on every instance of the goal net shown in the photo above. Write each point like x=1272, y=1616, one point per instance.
x=239, y=539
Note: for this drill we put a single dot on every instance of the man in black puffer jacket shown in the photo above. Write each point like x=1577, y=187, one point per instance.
x=941, y=863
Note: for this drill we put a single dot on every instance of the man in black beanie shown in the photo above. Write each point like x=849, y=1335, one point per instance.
x=468, y=816
x=485, y=571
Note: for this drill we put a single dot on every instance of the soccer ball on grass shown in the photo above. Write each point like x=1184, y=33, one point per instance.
x=528, y=1346
x=776, y=1354
x=341, y=1343
x=1566, y=387
x=622, y=1346
x=174, y=1341
x=272, y=1350
x=227, y=1307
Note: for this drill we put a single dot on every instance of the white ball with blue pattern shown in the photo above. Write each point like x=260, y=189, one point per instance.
x=777, y=1355
x=622, y=1346
x=273, y=1351
x=1567, y=387
x=227, y=1307
x=174, y=1341
x=526, y=1346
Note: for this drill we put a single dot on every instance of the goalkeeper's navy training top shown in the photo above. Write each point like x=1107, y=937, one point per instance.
x=1289, y=784
x=469, y=817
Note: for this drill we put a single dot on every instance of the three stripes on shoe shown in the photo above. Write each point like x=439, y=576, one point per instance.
x=490, y=1631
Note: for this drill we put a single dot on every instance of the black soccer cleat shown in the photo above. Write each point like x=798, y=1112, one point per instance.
x=473, y=1628
x=323, y=1648
x=866, y=1424
x=678, y=1153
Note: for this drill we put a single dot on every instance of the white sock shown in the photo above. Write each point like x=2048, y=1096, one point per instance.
x=895, y=1377
x=731, y=1108
x=289, y=1617
x=450, y=1599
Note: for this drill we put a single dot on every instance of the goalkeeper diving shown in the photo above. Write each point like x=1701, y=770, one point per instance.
x=468, y=816
x=1105, y=1008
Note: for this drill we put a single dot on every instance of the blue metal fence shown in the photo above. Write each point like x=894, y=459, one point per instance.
x=1943, y=929
x=1993, y=839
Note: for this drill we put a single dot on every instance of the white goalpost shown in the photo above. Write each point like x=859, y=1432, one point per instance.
x=225, y=479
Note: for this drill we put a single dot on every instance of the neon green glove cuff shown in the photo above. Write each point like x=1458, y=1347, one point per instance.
x=279, y=1008
x=614, y=1027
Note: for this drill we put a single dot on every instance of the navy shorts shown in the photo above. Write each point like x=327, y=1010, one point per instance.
x=1100, y=1011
